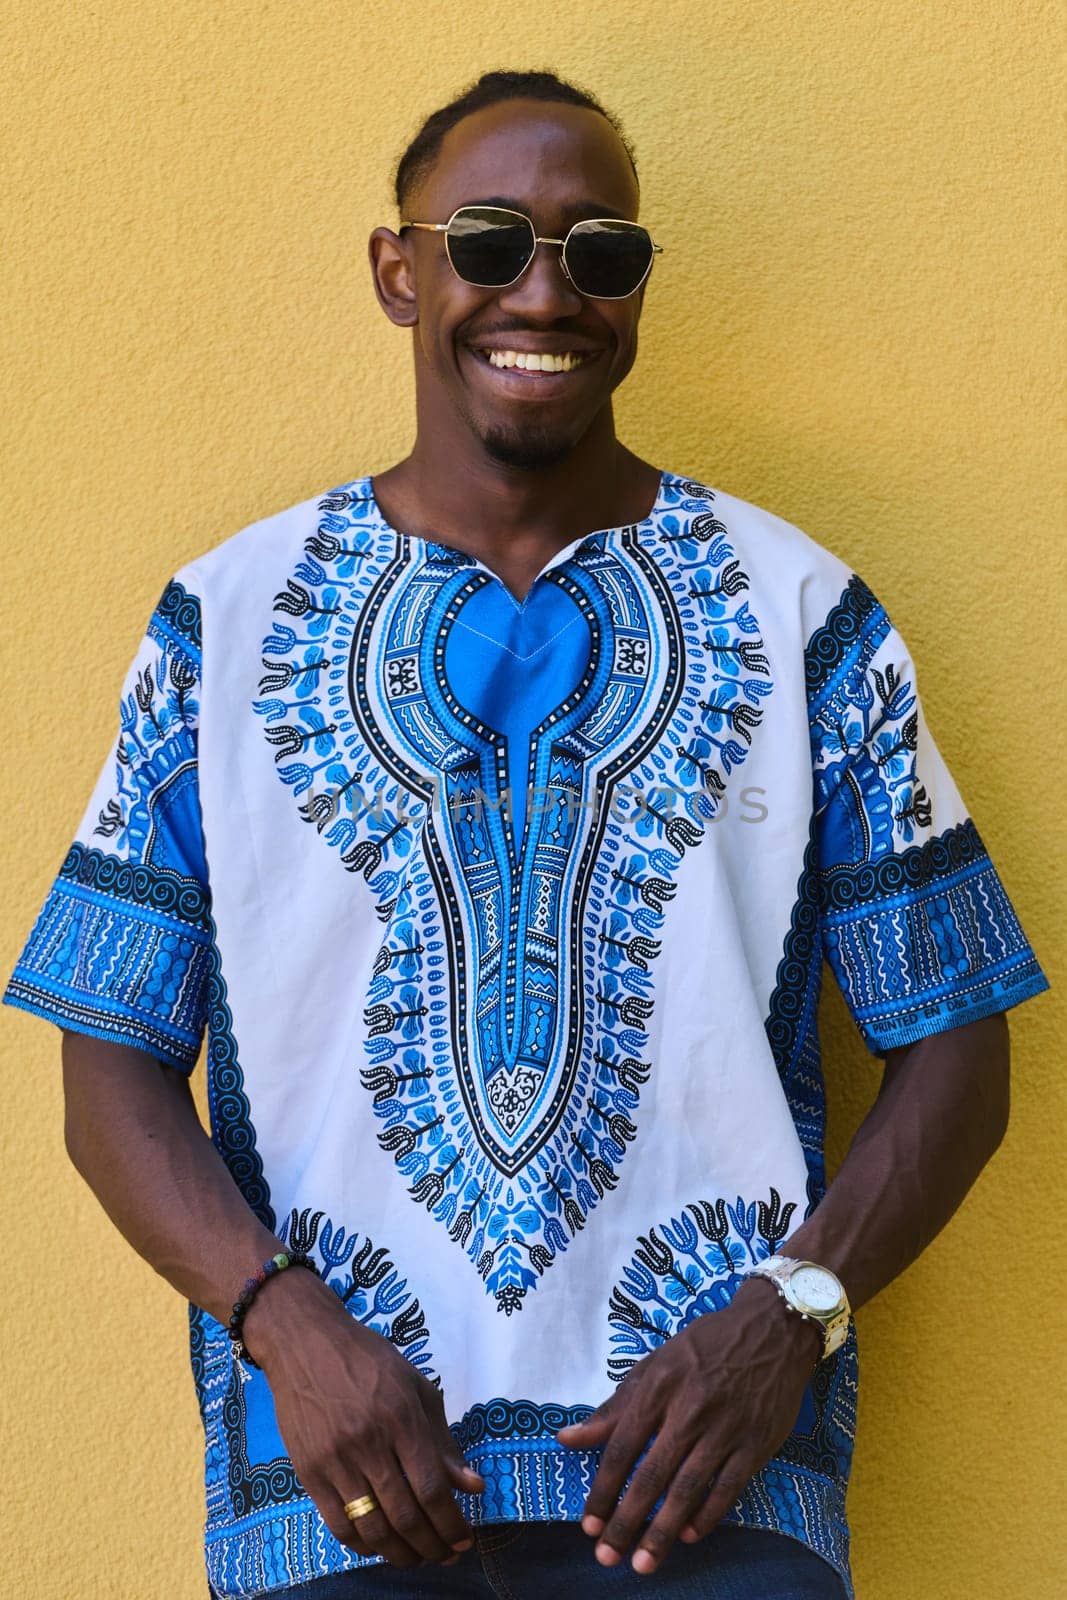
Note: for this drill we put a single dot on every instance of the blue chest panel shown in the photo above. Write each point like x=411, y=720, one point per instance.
x=512, y=666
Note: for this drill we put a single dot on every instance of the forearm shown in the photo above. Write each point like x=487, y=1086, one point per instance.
x=134, y=1135
x=941, y=1112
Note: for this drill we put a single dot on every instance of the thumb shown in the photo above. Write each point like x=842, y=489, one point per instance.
x=462, y=1476
x=593, y=1432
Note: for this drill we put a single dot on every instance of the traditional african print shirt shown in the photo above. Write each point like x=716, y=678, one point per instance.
x=505, y=924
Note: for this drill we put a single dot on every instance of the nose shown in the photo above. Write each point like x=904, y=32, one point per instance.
x=544, y=293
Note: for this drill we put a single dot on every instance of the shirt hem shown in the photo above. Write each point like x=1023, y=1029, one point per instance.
x=523, y=1484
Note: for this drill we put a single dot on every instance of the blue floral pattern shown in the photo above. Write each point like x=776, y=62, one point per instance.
x=687, y=1266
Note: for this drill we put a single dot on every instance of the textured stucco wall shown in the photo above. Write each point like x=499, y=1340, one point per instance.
x=857, y=324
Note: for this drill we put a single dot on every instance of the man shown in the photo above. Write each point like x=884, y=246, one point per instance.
x=494, y=815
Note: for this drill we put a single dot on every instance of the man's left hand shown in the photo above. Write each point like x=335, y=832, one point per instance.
x=716, y=1402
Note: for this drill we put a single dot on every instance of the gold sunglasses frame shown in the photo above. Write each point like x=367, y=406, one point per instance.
x=505, y=211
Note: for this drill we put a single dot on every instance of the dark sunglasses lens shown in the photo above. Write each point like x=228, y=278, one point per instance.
x=608, y=260
x=489, y=247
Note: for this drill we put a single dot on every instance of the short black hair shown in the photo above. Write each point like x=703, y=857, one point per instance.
x=491, y=89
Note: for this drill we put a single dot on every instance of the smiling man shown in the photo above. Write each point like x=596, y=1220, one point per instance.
x=493, y=816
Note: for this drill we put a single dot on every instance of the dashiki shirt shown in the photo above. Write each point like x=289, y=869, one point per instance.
x=505, y=923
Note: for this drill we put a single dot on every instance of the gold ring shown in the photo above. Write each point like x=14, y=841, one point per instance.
x=361, y=1507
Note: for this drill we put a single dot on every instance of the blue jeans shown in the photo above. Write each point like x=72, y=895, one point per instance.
x=555, y=1561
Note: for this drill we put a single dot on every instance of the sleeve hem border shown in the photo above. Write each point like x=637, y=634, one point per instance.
x=945, y=1021
x=111, y=1035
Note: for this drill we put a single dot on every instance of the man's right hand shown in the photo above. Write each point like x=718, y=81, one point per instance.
x=358, y=1419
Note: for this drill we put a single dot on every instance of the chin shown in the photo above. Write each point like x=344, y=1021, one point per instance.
x=529, y=451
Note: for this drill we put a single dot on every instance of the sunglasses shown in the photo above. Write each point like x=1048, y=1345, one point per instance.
x=490, y=247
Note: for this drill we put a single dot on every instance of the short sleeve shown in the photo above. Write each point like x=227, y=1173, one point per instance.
x=121, y=947
x=916, y=924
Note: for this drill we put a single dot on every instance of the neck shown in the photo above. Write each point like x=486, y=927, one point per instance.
x=510, y=517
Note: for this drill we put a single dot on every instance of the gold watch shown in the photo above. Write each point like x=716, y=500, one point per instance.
x=815, y=1292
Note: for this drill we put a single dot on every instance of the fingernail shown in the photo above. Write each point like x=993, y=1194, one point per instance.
x=690, y=1535
x=644, y=1561
x=607, y=1556
x=592, y=1526
x=465, y=1545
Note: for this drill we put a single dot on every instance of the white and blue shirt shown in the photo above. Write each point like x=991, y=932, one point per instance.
x=505, y=923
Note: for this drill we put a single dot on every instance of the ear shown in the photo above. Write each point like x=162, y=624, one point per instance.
x=394, y=281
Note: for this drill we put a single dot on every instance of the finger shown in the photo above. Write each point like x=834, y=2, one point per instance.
x=461, y=1475
x=406, y=1515
x=591, y=1434
x=684, y=1499
x=331, y=1510
x=729, y=1483
x=651, y=1479
x=375, y=1530
x=431, y=1488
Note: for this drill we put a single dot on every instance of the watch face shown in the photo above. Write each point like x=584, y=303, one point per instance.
x=817, y=1289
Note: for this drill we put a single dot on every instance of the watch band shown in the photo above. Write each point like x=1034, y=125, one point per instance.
x=834, y=1324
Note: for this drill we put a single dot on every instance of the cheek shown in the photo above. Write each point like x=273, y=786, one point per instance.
x=626, y=343
x=437, y=351
x=446, y=306
x=441, y=344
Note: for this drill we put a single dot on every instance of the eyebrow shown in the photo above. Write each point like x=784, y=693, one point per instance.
x=577, y=211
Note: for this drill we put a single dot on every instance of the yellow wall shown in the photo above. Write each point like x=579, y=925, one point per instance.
x=857, y=324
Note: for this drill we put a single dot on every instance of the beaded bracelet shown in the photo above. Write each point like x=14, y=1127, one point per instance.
x=276, y=1264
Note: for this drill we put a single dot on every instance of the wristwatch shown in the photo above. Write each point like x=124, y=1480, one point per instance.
x=813, y=1291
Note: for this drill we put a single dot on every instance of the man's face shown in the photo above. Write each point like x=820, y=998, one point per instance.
x=558, y=164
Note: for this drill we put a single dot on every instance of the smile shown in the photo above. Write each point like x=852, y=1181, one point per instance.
x=532, y=361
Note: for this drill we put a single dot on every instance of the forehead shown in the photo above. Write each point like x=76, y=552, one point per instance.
x=550, y=159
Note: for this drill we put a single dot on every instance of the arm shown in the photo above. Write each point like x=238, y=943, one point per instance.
x=723, y=1395
x=353, y=1413
x=941, y=1112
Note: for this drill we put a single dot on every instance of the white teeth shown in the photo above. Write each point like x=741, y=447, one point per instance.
x=532, y=361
